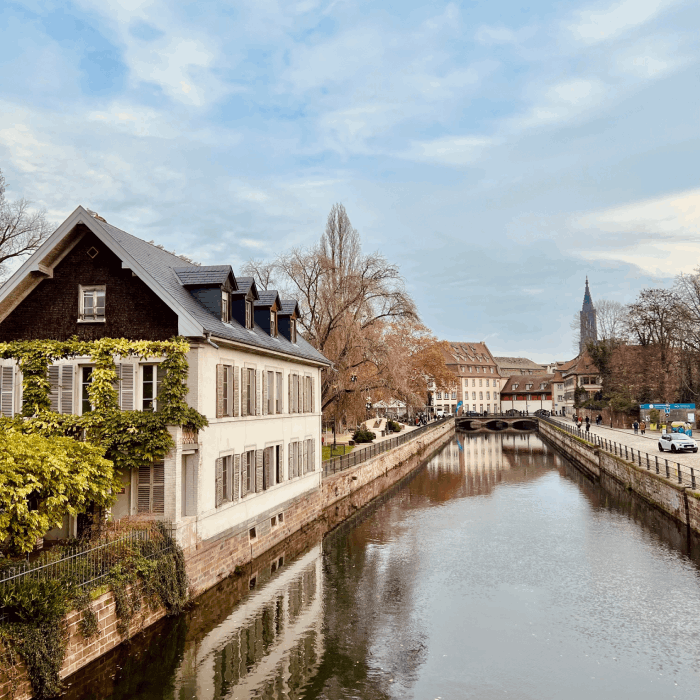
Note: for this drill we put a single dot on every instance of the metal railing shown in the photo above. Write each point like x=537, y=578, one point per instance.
x=83, y=565
x=359, y=455
x=679, y=473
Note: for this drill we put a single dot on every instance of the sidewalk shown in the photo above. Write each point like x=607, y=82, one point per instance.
x=646, y=443
x=344, y=438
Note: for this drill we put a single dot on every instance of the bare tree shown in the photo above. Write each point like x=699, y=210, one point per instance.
x=262, y=272
x=22, y=230
x=611, y=317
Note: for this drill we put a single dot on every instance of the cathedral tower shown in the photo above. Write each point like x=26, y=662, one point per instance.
x=589, y=325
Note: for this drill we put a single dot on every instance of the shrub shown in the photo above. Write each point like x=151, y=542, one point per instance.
x=393, y=425
x=363, y=435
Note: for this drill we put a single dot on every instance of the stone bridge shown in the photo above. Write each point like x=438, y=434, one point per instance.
x=496, y=423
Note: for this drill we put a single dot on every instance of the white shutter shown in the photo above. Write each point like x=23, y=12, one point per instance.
x=143, y=504
x=236, y=391
x=191, y=486
x=126, y=386
x=290, y=471
x=236, y=476
x=312, y=398
x=7, y=391
x=218, y=481
x=312, y=458
x=258, y=392
x=264, y=393
x=159, y=487
x=244, y=474
x=67, y=388
x=55, y=389
x=230, y=391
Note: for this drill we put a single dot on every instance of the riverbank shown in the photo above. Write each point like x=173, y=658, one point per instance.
x=340, y=496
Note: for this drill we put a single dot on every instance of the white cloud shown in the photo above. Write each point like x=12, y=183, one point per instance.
x=595, y=25
x=449, y=150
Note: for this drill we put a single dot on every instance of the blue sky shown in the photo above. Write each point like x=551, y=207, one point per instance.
x=497, y=151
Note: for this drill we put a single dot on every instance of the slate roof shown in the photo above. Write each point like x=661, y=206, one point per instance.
x=288, y=307
x=161, y=265
x=244, y=284
x=200, y=275
x=522, y=362
x=267, y=297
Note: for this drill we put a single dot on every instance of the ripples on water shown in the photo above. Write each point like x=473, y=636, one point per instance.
x=495, y=571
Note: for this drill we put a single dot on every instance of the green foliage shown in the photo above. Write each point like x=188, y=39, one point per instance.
x=621, y=402
x=580, y=395
x=393, y=426
x=88, y=625
x=654, y=415
x=363, y=435
x=42, y=479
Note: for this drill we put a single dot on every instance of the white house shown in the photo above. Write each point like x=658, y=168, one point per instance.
x=247, y=477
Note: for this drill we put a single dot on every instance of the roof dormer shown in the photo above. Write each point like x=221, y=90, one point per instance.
x=211, y=286
x=243, y=300
x=267, y=308
x=287, y=319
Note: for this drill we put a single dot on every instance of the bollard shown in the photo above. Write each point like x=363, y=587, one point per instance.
x=692, y=477
x=639, y=454
x=648, y=462
x=632, y=451
x=680, y=478
x=668, y=473
x=656, y=459
x=626, y=457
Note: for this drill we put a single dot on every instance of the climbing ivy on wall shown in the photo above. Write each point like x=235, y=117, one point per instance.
x=126, y=439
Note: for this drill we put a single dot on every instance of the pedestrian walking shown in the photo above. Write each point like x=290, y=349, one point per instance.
x=635, y=425
x=588, y=426
x=599, y=419
x=642, y=427
x=588, y=420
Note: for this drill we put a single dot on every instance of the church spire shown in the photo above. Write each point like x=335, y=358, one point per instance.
x=589, y=322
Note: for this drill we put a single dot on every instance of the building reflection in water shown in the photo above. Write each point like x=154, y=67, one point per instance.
x=485, y=458
x=270, y=645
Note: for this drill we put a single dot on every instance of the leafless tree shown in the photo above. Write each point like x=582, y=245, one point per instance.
x=261, y=271
x=22, y=229
x=611, y=317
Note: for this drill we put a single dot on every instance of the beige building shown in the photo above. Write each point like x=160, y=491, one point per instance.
x=477, y=382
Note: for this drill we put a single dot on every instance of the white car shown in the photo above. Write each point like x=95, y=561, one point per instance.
x=677, y=442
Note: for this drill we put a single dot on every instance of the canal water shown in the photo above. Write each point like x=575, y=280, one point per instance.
x=495, y=570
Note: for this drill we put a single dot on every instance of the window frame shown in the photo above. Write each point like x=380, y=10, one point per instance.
x=82, y=290
x=156, y=382
x=273, y=323
x=293, y=330
x=83, y=384
x=249, y=323
x=225, y=307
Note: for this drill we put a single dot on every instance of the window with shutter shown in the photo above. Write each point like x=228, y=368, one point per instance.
x=218, y=481
x=224, y=391
x=279, y=456
x=85, y=379
x=250, y=464
x=278, y=397
x=312, y=461
x=305, y=457
x=54, y=384
x=66, y=389
x=244, y=474
x=191, y=481
x=126, y=386
x=7, y=391
x=219, y=391
x=290, y=459
x=265, y=393
x=271, y=393
x=258, y=392
x=236, y=476
x=236, y=391
x=290, y=405
x=150, y=387
x=259, y=471
x=151, y=488
x=244, y=392
x=312, y=400
x=266, y=469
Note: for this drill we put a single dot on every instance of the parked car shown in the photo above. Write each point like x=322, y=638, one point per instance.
x=439, y=413
x=472, y=414
x=512, y=412
x=542, y=412
x=677, y=442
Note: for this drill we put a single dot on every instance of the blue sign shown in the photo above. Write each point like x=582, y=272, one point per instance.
x=458, y=405
x=669, y=406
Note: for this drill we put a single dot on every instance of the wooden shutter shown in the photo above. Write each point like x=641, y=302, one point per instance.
x=143, y=500
x=258, y=392
x=219, y=391
x=159, y=487
x=290, y=407
x=264, y=393
x=312, y=458
x=236, y=391
x=236, y=476
x=258, y=471
x=229, y=384
x=218, y=481
x=126, y=387
x=305, y=457
x=7, y=390
x=244, y=474
x=266, y=469
x=55, y=387
x=191, y=486
x=312, y=398
x=290, y=469
x=67, y=388
x=244, y=391
x=281, y=463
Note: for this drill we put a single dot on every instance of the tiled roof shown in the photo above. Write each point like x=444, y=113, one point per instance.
x=288, y=307
x=465, y=353
x=210, y=274
x=244, y=284
x=161, y=265
x=522, y=362
x=523, y=379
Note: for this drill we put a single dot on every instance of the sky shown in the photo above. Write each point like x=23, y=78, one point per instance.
x=498, y=152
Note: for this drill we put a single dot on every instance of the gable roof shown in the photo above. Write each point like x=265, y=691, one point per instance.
x=521, y=380
x=289, y=307
x=156, y=268
x=268, y=297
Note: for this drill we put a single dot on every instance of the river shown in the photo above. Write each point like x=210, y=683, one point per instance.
x=495, y=570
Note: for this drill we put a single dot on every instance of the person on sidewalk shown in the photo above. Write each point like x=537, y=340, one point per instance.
x=588, y=426
x=642, y=427
x=635, y=425
x=588, y=421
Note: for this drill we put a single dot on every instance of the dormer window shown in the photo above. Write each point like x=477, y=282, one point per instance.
x=293, y=330
x=225, y=308
x=248, y=313
x=273, y=324
x=515, y=386
x=92, y=303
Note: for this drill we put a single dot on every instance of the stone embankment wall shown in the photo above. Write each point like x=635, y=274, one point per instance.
x=210, y=562
x=680, y=502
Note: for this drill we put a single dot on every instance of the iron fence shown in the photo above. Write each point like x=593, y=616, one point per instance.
x=681, y=474
x=83, y=565
x=359, y=455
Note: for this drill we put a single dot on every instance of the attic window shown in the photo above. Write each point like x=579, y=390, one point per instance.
x=293, y=330
x=515, y=386
x=92, y=252
x=273, y=324
x=225, y=308
x=92, y=303
x=248, y=313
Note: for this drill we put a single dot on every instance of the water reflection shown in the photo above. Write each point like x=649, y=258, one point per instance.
x=496, y=570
